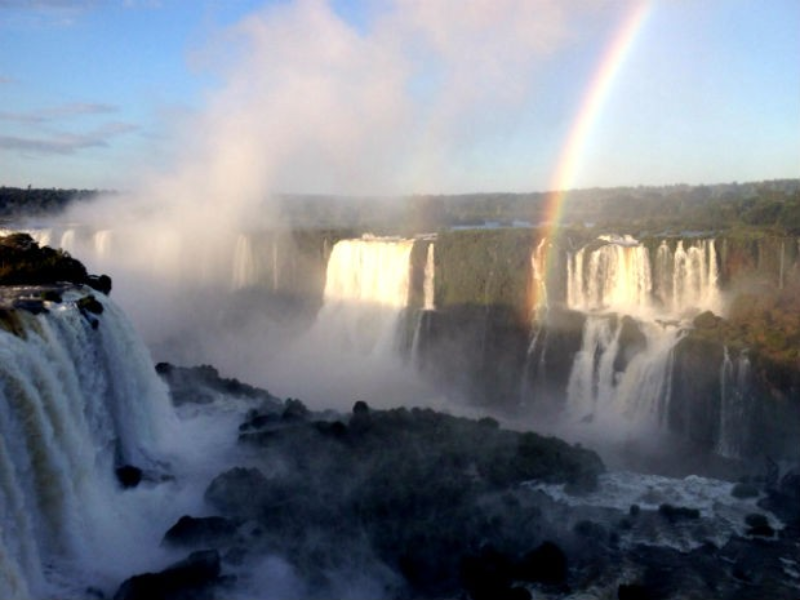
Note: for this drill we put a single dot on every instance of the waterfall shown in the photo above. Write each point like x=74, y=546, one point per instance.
x=78, y=395
x=366, y=291
x=618, y=276
x=733, y=410
x=428, y=305
x=636, y=306
x=615, y=276
x=539, y=278
x=428, y=281
x=695, y=278
x=608, y=381
x=244, y=263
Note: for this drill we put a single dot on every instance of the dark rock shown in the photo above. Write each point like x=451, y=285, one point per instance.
x=678, y=513
x=632, y=591
x=201, y=531
x=336, y=429
x=201, y=384
x=192, y=578
x=238, y=492
x=487, y=576
x=706, y=320
x=790, y=483
x=744, y=490
x=631, y=342
x=101, y=283
x=129, y=476
x=90, y=304
x=590, y=529
x=295, y=410
x=759, y=525
x=32, y=305
x=546, y=564
x=51, y=296
x=256, y=421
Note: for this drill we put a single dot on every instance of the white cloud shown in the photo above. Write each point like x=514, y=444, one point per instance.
x=63, y=111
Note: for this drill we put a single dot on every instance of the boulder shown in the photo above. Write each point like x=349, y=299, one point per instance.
x=545, y=564
x=192, y=577
x=239, y=492
x=678, y=513
x=201, y=531
x=129, y=476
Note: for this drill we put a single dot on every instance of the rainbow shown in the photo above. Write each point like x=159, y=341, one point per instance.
x=591, y=105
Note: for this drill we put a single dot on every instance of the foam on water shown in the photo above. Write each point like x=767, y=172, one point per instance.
x=721, y=514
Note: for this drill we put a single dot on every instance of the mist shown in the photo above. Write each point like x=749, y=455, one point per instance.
x=306, y=103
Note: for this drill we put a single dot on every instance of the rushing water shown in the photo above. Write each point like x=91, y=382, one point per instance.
x=76, y=401
x=637, y=305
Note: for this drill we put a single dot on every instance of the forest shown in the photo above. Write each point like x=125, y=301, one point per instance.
x=769, y=206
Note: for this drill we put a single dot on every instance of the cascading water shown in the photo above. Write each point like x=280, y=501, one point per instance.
x=635, y=312
x=244, y=263
x=357, y=341
x=366, y=291
x=428, y=304
x=614, y=277
x=428, y=283
x=78, y=395
x=734, y=400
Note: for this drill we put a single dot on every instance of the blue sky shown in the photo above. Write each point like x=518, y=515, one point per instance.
x=392, y=96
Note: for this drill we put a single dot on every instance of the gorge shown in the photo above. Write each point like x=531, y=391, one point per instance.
x=613, y=336
x=609, y=336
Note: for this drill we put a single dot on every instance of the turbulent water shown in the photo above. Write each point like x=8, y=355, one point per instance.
x=76, y=400
x=721, y=515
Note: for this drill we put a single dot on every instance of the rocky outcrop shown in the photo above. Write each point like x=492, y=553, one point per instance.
x=421, y=490
x=192, y=578
x=202, y=384
x=23, y=262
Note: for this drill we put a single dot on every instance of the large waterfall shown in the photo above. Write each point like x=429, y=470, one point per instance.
x=78, y=395
x=636, y=304
x=357, y=339
x=622, y=276
x=366, y=291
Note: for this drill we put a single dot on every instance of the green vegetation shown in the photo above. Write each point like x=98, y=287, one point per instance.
x=772, y=206
x=485, y=267
x=23, y=262
x=17, y=202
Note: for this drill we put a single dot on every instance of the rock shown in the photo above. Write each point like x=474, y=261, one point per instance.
x=759, y=525
x=101, y=283
x=129, y=476
x=706, y=320
x=295, y=410
x=201, y=531
x=678, y=513
x=191, y=578
x=202, y=384
x=744, y=490
x=546, y=564
x=790, y=483
x=487, y=576
x=239, y=492
x=632, y=591
x=90, y=304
